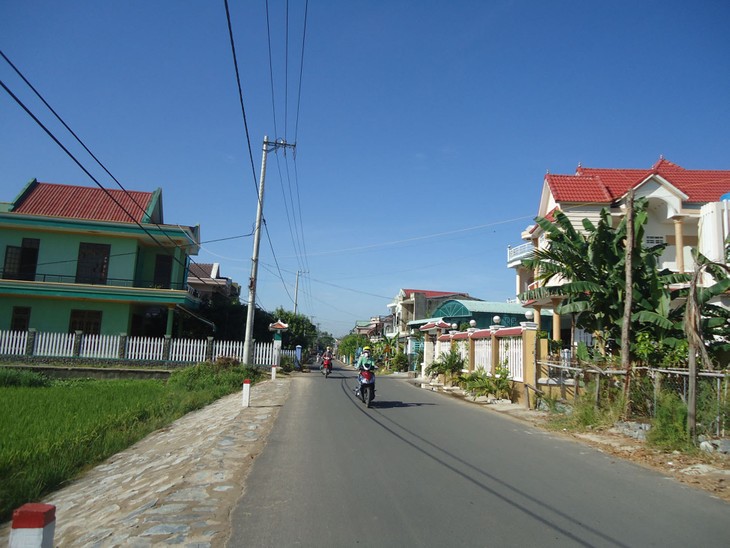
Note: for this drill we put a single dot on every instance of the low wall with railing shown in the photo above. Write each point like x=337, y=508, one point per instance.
x=35, y=345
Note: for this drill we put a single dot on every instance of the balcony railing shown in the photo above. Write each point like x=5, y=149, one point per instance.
x=522, y=251
x=111, y=282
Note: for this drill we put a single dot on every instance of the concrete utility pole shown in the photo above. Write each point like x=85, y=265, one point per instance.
x=251, y=307
x=296, y=293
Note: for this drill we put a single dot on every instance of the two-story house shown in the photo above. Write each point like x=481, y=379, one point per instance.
x=91, y=259
x=416, y=304
x=687, y=209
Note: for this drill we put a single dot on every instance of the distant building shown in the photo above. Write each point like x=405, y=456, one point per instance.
x=414, y=304
x=205, y=279
x=484, y=314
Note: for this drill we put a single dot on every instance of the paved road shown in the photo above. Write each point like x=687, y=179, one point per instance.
x=423, y=469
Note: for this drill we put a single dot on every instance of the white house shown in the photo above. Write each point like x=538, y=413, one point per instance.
x=688, y=208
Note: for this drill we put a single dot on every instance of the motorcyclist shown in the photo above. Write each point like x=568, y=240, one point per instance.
x=327, y=354
x=365, y=361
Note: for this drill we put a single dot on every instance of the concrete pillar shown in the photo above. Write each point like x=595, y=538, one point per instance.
x=30, y=341
x=537, y=318
x=209, y=349
x=428, y=351
x=78, y=336
x=166, y=347
x=529, y=354
x=679, y=243
x=494, y=340
x=170, y=317
x=122, y=348
x=556, y=319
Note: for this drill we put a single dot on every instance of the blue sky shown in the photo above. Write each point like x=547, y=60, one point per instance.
x=423, y=128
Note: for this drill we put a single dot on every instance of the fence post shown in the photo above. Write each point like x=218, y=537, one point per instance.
x=78, y=336
x=122, y=347
x=209, y=350
x=495, y=350
x=166, y=348
x=30, y=341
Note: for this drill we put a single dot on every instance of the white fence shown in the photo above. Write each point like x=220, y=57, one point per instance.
x=510, y=349
x=67, y=345
x=483, y=354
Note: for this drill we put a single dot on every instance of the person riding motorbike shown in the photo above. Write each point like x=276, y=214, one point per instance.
x=327, y=355
x=365, y=361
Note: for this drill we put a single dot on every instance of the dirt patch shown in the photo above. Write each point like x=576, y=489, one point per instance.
x=707, y=471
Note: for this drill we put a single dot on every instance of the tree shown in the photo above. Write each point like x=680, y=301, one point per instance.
x=350, y=344
x=229, y=317
x=593, y=264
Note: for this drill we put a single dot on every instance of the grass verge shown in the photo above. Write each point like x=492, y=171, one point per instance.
x=50, y=431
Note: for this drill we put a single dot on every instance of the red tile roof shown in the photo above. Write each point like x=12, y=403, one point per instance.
x=600, y=185
x=78, y=202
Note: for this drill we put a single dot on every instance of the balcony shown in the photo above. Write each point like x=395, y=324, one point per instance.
x=110, y=282
x=518, y=253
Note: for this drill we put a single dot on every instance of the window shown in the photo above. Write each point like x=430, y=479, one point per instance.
x=20, y=320
x=654, y=240
x=21, y=262
x=88, y=321
x=11, y=268
x=163, y=271
x=93, y=263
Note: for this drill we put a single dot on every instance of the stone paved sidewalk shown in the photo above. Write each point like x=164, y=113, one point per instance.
x=175, y=487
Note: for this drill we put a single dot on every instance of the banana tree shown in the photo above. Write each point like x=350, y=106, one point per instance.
x=592, y=263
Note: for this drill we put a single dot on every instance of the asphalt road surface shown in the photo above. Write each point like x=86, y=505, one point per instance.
x=424, y=469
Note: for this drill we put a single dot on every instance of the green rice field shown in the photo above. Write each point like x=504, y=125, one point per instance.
x=50, y=431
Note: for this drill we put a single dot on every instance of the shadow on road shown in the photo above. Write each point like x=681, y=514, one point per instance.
x=378, y=404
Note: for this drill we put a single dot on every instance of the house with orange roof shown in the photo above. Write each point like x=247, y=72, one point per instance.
x=94, y=260
x=688, y=208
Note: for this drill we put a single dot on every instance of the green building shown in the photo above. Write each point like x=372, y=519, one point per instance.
x=93, y=260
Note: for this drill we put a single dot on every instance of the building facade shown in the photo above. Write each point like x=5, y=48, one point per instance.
x=93, y=260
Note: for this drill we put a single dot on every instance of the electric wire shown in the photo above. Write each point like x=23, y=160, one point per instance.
x=301, y=71
x=240, y=98
x=271, y=71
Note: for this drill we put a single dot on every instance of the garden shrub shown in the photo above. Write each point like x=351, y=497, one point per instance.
x=669, y=427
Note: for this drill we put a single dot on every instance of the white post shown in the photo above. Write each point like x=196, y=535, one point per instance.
x=34, y=525
x=246, y=393
x=273, y=372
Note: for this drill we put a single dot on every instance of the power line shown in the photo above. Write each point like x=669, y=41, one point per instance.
x=301, y=70
x=240, y=97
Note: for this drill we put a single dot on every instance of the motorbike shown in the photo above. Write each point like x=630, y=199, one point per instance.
x=366, y=384
x=326, y=367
